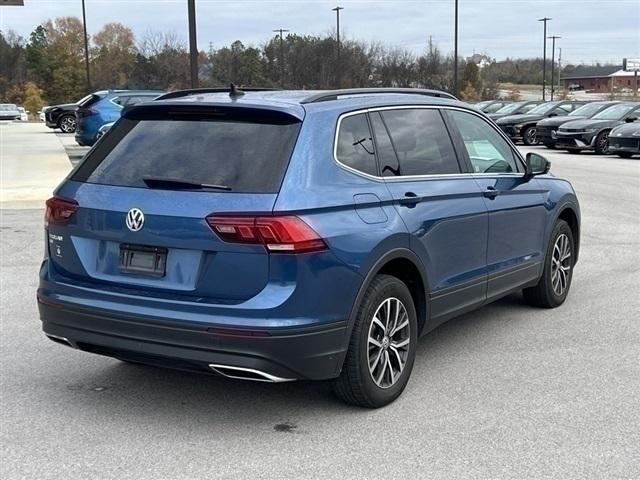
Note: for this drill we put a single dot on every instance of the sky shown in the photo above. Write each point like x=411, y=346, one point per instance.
x=591, y=30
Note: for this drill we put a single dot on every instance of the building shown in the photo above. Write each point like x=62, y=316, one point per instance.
x=599, y=79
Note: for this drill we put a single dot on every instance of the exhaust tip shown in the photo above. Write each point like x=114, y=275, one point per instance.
x=242, y=373
x=61, y=340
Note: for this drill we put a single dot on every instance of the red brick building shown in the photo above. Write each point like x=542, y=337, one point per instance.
x=600, y=82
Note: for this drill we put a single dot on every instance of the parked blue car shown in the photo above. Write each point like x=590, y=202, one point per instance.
x=104, y=107
x=283, y=235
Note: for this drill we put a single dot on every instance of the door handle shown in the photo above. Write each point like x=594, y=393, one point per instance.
x=491, y=193
x=410, y=200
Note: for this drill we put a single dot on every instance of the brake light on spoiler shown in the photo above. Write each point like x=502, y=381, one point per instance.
x=279, y=234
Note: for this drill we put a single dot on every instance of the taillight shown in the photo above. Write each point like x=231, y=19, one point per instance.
x=59, y=210
x=286, y=234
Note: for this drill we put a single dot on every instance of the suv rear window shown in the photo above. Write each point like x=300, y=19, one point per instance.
x=248, y=157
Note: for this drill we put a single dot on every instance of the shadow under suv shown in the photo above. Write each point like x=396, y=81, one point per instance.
x=286, y=235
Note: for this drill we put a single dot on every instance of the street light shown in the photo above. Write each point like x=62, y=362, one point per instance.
x=281, y=30
x=553, y=59
x=193, y=44
x=86, y=47
x=338, y=70
x=455, y=54
x=544, y=56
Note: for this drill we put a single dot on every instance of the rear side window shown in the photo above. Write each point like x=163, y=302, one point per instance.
x=421, y=142
x=355, y=145
x=247, y=157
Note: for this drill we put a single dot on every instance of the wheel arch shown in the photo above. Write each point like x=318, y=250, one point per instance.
x=568, y=213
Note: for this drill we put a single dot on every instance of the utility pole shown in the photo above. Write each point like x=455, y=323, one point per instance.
x=86, y=47
x=338, y=69
x=193, y=44
x=281, y=30
x=544, y=56
x=559, y=67
x=455, y=52
x=553, y=52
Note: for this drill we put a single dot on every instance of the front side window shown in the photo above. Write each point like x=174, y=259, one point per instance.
x=487, y=150
x=421, y=142
x=355, y=145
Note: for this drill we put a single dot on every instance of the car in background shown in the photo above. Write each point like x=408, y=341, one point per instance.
x=593, y=133
x=491, y=106
x=624, y=140
x=63, y=116
x=547, y=129
x=41, y=114
x=9, y=111
x=276, y=236
x=515, y=108
x=523, y=126
x=104, y=107
x=24, y=115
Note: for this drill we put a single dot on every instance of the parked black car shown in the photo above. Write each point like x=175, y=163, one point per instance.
x=491, y=106
x=624, y=140
x=593, y=133
x=514, y=109
x=547, y=129
x=523, y=126
x=64, y=116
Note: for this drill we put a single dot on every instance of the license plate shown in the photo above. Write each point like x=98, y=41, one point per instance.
x=143, y=260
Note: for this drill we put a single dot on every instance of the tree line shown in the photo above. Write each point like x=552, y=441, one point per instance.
x=49, y=67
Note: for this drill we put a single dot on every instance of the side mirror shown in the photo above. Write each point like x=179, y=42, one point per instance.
x=630, y=119
x=536, y=164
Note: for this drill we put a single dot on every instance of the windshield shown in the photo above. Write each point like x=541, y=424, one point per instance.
x=8, y=107
x=510, y=108
x=543, y=108
x=586, y=110
x=482, y=104
x=615, y=112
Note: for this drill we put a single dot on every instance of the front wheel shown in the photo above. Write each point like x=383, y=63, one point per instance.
x=553, y=287
x=382, y=347
x=602, y=143
x=529, y=136
x=550, y=145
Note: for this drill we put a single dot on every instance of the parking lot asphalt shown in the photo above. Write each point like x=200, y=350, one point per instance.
x=507, y=391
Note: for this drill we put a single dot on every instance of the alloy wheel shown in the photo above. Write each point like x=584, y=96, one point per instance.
x=604, y=143
x=531, y=136
x=388, y=342
x=68, y=124
x=561, y=264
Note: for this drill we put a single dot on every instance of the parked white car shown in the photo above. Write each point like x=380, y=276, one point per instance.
x=24, y=115
x=9, y=111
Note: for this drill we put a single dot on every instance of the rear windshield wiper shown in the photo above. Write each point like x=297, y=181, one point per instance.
x=178, y=184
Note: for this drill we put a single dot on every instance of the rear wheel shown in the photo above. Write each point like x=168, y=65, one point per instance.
x=602, y=143
x=382, y=346
x=553, y=287
x=529, y=136
x=67, y=123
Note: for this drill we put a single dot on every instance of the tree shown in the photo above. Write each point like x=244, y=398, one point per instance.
x=113, y=56
x=32, y=98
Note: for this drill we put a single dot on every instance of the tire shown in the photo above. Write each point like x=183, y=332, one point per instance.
x=602, y=143
x=356, y=384
x=549, y=145
x=67, y=123
x=575, y=151
x=625, y=154
x=546, y=293
x=529, y=136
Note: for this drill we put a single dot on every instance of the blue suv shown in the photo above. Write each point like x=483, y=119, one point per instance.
x=104, y=107
x=283, y=235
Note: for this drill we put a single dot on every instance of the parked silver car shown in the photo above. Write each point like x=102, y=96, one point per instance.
x=9, y=111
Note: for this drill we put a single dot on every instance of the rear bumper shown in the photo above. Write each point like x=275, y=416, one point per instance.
x=313, y=353
x=85, y=139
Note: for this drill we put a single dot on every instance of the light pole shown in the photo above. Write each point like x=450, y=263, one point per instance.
x=338, y=70
x=455, y=53
x=193, y=44
x=281, y=30
x=553, y=59
x=544, y=56
x=86, y=47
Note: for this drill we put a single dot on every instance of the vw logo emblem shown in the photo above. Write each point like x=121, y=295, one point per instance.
x=135, y=219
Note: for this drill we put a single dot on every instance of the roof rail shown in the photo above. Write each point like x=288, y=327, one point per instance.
x=334, y=94
x=196, y=91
